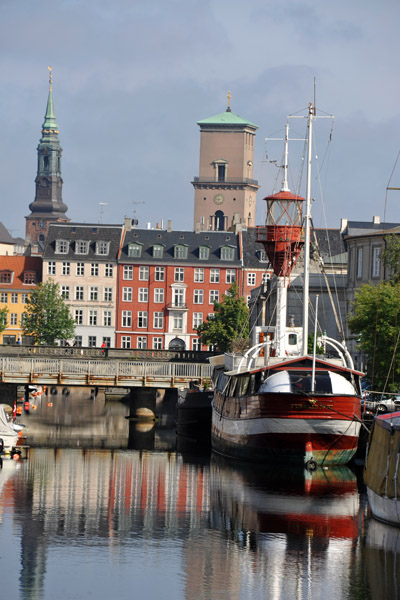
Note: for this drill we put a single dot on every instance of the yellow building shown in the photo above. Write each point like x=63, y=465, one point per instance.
x=19, y=275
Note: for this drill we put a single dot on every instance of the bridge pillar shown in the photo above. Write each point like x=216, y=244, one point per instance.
x=8, y=393
x=143, y=403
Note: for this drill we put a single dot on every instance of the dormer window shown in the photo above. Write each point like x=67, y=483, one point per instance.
x=204, y=252
x=102, y=248
x=262, y=256
x=62, y=246
x=81, y=247
x=158, y=251
x=29, y=278
x=135, y=250
x=6, y=276
x=180, y=251
x=227, y=253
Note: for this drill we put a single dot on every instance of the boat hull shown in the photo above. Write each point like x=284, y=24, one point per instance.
x=287, y=427
x=384, y=508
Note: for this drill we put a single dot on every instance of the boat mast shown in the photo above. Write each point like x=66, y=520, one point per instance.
x=311, y=113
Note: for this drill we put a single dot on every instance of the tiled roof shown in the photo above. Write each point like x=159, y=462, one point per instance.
x=18, y=265
x=86, y=232
x=215, y=240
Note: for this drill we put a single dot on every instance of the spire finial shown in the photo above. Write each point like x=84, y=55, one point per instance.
x=229, y=102
x=50, y=77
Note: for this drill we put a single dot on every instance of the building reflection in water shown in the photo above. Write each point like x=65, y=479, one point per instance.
x=225, y=530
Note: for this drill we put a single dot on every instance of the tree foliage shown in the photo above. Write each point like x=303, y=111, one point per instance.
x=391, y=256
x=376, y=322
x=3, y=318
x=229, y=323
x=47, y=317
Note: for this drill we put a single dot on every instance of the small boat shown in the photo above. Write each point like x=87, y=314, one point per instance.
x=193, y=412
x=8, y=433
x=381, y=468
x=288, y=405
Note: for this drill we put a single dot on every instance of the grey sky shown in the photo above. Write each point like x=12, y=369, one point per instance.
x=132, y=78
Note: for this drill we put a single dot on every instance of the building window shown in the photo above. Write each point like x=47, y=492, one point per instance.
x=78, y=316
x=142, y=319
x=80, y=268
x=79, y=295
x=230, y=276
x=107, y=341
x=199, y=275
x=158, y=295
x=108, y=270
x=125, y=341
x=158, y=251
x=142, y=342
x=4, y=297
x=196, y=344
x=227, y=253
x=214, y=296
x=126, y=318
x=81, y=247
x=179, y=274
x=143, y=295
x=214, y=275
x=92, y=341
x=3, y=320
x=23, y=319
x=180, y=251
x=221, y=172
x=198, y=297
x=157, y=343
x=65, y=292
x=127, y=272
x=134, y=250
x=126, y=294
x=107, y=318
x=204, y=252
x=14, y=298
x=6, y=276
x=251, y=279
x=359, y=262
x=178, y=321
x=102, y=248
x=78, y=341
x=94, y=269
x=376, y=261
x=92, y=317
x=13, y=319
x=29, y=278
x=107, y=294
x=62, y=246
x=93, y=294
x=143, y=273
x=179, y=298
x=197, y=319
x=24, y=298
x=66, y=268
x=158, y=322
x=262, y=256
x=159, y=274
x=51, y=267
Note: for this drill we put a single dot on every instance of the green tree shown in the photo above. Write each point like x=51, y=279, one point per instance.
x=47, y=317
x=376, y=322
x=228, y=327
x=3, y=318
x=391, y=256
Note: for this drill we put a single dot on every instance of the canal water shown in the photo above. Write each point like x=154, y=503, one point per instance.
x=108, y=507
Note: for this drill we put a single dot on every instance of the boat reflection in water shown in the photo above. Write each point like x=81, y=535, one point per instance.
x=302, y=526
x=382, y=560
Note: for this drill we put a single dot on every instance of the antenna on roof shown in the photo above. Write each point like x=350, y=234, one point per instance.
x=102, y=205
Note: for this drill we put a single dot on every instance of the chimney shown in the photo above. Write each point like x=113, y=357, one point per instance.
x=169, y=225
x=127, y=223
x=376, y=220
x=343, y=224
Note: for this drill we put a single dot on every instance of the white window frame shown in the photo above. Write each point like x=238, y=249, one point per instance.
x=159, y=295
x=158, y=320
x=359, y=266
x=215, y=275
x=107, y=294
x=199, y=275
x=127, y=273
x=127, y=294
x=94, y=269
x=197, y=319
x=143, y=273
x=213, y=296
x=126, y=318
x=376, y=261
x=230, y=276
x=251, y=279
x=198, y=296
x=179, y=274
x=143, y=294
x=51, y=267
x=157, y=343
x=80, y=269
x=66, y=268
x=142, y=319
x=126, y=341
x=159, y=274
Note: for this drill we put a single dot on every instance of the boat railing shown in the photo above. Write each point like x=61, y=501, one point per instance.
x=256, y=351
x=340, y=349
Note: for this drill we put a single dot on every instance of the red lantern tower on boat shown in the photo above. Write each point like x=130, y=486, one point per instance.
x=282, y=238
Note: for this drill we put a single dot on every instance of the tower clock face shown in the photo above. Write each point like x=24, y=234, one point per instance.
x=218, y=199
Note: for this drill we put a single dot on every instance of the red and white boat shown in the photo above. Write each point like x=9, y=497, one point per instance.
x=288, y=405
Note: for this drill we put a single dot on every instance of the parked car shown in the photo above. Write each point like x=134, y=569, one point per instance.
x=380, y=403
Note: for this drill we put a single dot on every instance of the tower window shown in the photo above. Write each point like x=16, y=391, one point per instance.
x=221, y=172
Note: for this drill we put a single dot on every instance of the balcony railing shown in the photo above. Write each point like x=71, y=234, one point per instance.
x=209, y=179
x=177, y=306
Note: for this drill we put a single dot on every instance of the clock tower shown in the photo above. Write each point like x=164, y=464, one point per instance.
x=47, y=206
x=225, y=191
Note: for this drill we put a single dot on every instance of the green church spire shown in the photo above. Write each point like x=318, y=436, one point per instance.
x=50, y=126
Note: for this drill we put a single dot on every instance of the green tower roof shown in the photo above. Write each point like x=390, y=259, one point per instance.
x=50, y=123
x=226, y=118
